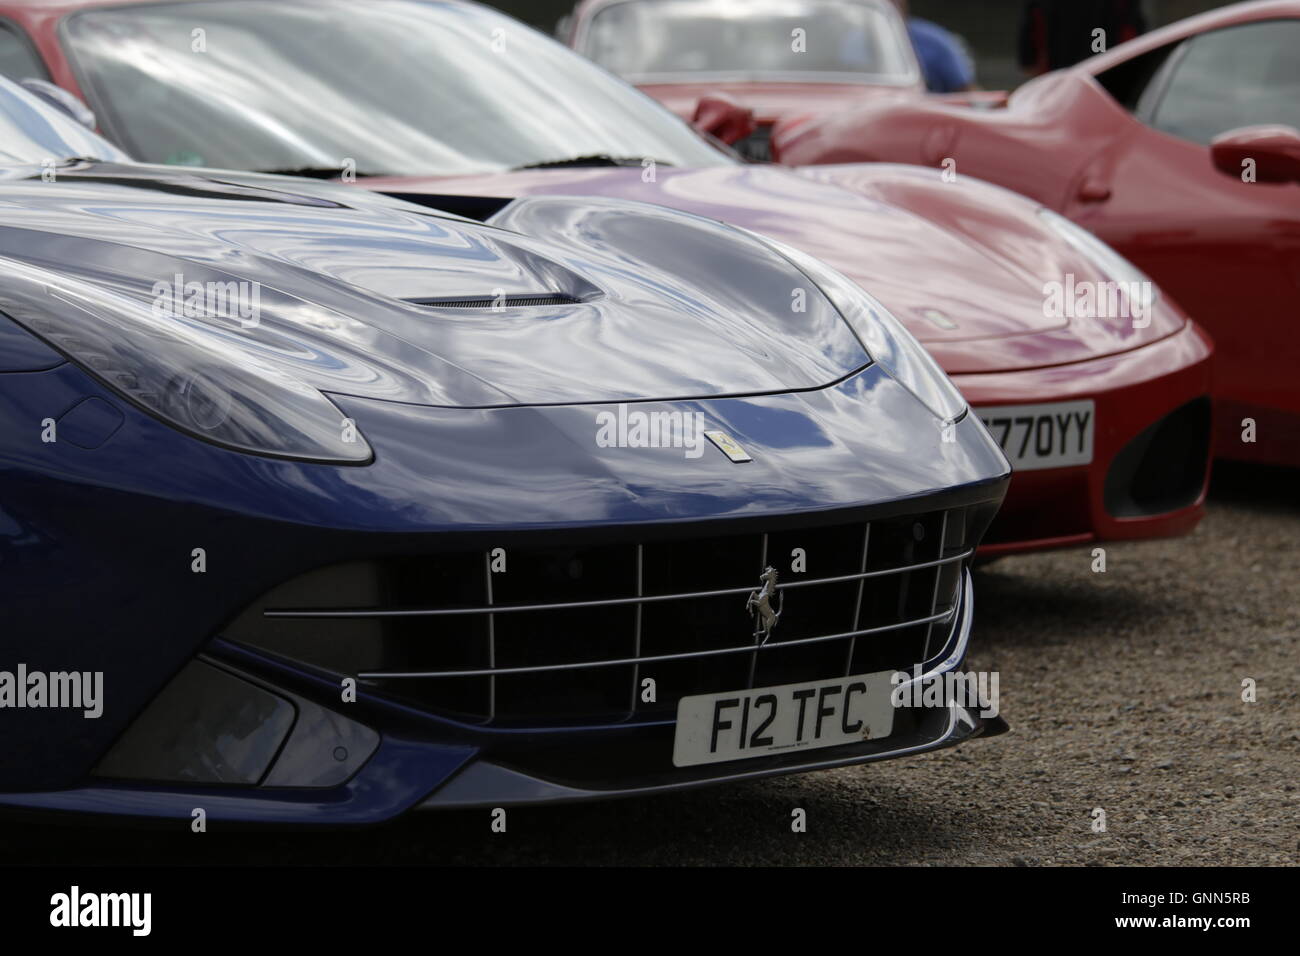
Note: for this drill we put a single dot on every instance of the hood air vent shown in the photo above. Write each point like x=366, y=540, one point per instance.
x=505, y=301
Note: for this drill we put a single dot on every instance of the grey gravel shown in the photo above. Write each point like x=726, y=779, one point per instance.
x=1123, y=691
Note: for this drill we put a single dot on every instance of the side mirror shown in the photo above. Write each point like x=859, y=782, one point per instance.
x=1274, y=150
x=719, y=115
x=61, y=100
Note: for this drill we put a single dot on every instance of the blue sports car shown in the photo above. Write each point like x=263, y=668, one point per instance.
x=319, y=507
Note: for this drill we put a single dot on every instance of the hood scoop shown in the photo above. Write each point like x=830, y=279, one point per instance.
x=514, y=301
x=612, y=301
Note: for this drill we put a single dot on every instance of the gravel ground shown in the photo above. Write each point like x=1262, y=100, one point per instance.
x=1123, y=691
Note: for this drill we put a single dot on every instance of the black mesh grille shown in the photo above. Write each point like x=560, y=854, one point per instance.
x=567, y=634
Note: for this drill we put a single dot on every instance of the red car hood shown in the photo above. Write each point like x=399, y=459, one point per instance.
x=772, y=101
x=963, y=266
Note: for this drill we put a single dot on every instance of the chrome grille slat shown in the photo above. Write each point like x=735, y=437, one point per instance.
x=492, y=640
x=946, y=616
x=938, y=578
x=636, y=637
x=607, y=602
x=753, y=658
x=857, y=604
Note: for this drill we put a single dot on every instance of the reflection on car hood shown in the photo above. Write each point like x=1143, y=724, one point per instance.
x=962, y=264
x=364, y=295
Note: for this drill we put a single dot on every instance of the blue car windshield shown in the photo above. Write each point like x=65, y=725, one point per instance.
x=388, y=87
x=33, y=132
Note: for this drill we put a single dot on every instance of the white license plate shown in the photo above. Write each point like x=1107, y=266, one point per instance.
x=712, y=728
x=1034, y=437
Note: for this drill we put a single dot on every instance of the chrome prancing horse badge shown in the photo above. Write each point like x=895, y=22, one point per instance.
x=759, y=606
x=728, y=446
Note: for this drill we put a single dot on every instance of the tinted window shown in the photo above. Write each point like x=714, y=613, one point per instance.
x=1133, y=81
x=17, y=59
x=1241, y=76
x=400, y=88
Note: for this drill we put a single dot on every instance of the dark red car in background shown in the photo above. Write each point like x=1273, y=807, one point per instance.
x=771, y=58
x=1105, y=418
x=1181, y=150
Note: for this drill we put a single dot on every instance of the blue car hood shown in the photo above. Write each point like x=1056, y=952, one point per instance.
x=555, y=300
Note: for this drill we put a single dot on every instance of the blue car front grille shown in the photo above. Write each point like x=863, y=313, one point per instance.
x=540, y=636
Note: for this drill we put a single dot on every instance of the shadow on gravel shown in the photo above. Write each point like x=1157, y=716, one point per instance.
x=1017, y=605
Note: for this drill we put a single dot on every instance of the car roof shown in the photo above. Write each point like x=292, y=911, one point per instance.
x=1234, y=15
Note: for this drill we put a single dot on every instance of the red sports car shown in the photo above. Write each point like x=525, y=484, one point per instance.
x=1105, y=414
x=1182, y=151
x=770, y=58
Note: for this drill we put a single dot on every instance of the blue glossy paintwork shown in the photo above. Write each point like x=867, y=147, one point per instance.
x=399, y=773
x=483, y=426
x=20, y=352
x=97, y=544
x=671, y=305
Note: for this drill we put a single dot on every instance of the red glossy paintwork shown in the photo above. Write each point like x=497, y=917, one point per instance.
x=1048, y=512
x=973, y=255
x=771, y=101
x=1228, y=250
x=990, y=250
x=1275, y=151
x=795, y=102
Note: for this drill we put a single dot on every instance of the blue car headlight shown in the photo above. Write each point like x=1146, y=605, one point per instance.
x=885, y=339
x=189, y=371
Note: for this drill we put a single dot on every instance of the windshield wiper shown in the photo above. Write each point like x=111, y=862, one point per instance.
x=595, y=159
x=312, y=172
